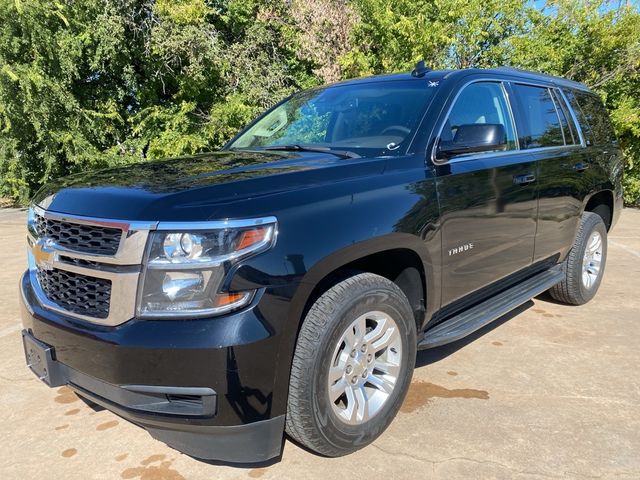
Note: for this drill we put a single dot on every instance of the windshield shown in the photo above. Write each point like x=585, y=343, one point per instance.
x=370, y=119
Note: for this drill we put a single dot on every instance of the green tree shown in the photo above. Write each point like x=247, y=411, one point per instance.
x=65, y=88
x=594, y=43
x=86, y=84
x=394, y=34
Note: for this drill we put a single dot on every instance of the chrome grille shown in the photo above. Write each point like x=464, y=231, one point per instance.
x=84, y=267
x=91, y=239
x=76, y=293
x=81, y=262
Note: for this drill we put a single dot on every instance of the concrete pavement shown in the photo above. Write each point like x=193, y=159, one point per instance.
x=551, y=391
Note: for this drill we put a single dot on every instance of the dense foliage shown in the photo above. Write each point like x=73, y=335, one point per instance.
x=86, y=84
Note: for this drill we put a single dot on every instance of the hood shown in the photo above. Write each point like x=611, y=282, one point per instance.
x=191, y=188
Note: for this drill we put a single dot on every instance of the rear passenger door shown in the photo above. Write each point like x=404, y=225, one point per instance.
x=548, y=131
x=488, y=200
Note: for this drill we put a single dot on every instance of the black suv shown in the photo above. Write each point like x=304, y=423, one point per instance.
x=286, y=282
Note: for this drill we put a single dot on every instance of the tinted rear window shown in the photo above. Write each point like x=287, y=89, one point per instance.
x=537, y=119
x=596, y=116
x=573, y=102
x=570, y=133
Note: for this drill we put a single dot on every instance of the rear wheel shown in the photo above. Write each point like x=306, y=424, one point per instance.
x=352, y=365
x=584, y=266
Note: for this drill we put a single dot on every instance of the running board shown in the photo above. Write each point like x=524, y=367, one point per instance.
x=473, y=319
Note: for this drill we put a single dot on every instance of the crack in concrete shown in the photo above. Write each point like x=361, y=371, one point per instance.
x=609, y=400
x=11, y=380
x=463, y=459
x=434, y=463
x=624, y=247
x=5, y=332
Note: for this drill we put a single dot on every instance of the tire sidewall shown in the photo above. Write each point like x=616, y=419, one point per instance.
x=351, y=437
x=592, y=223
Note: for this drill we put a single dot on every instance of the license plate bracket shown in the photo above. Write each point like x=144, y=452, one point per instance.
x=40, y=359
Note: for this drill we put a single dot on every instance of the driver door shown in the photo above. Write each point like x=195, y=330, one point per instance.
x=488, y=200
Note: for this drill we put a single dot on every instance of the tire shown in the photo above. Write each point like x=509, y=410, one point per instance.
x=574, y=289
x=329, y=427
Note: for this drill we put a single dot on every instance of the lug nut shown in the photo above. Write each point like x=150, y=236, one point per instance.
x=369, y=358
x=349, y=369
x=365, y=373
x=363, y=348
x=354, y=379
x=353, y=353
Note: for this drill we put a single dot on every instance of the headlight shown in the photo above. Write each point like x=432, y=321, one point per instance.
x=185, y=269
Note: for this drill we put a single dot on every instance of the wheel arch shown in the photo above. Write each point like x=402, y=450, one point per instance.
x=601, y=202
x=400, y=257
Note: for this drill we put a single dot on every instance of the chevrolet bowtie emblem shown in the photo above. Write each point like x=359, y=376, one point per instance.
x=42, y=254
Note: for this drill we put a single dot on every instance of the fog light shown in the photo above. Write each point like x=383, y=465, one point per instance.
x=182, y=285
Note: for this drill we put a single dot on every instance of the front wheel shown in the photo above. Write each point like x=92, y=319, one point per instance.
x=352, y=365
x=584, y=266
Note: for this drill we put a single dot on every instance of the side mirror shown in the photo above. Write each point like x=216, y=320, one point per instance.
x=474, y=138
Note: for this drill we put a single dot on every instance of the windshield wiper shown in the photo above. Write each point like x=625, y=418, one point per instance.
x=302, y=148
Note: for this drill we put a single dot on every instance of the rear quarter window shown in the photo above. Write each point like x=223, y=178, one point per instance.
x=570, y=133
x=592, y=115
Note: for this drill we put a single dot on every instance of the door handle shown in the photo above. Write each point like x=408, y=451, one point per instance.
x=581, y=167
x=524, y=179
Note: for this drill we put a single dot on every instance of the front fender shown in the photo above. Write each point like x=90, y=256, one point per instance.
x=323, y=228
x=351, y=253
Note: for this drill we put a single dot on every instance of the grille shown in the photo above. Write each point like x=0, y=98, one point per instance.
x=81, y=262
x=75, y=292
x=81, y=238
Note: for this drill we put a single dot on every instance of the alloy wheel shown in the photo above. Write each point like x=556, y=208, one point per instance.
x=365, y=366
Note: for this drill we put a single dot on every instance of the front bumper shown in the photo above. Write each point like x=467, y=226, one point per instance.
x=206, y=387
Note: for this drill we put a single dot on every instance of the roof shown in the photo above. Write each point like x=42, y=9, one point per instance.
x=505, y=72
x=539, y=76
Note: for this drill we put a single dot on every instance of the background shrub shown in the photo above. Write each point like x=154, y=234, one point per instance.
x=86, y=84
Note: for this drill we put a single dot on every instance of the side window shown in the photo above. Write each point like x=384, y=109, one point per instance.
x=568, y=127
x=573, y=103
x=597, y=117
x=538, y=120
x=480, y=103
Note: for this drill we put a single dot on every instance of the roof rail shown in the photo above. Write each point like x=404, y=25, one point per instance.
x=504, y=67
x=553, y=78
